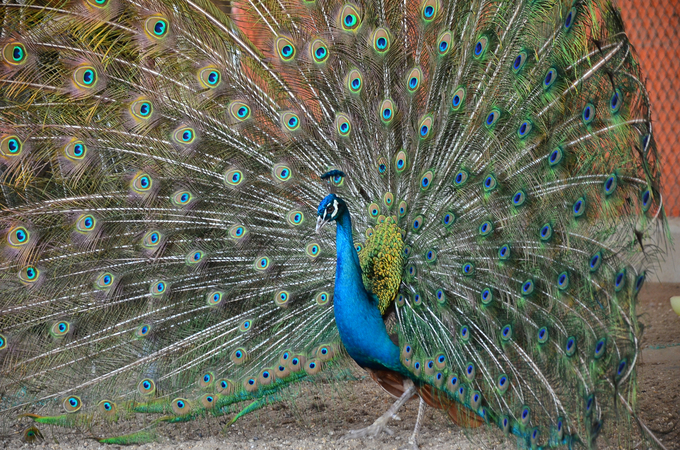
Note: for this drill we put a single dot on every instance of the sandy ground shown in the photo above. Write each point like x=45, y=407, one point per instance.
x=323, y=414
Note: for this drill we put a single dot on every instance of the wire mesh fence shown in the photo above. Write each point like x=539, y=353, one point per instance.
x=653, y=27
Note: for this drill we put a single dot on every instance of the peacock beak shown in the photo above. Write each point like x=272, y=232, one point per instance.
x=320, y=223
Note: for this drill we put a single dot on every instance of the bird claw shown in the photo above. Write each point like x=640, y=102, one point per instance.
x=371, y=431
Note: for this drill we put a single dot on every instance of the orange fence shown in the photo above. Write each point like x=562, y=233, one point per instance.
x=653, y=26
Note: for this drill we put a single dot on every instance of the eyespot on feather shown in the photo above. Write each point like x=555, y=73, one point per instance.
x=492, y=118
x=184, y=135
x=181, y=406
x=461, y=178
x=290, y=121
x=152, y=239
x=104, y=281
x=208, y=401
x=157, y=27
x=261, y=263
x=417, y=223
x=141, y=109
x=14, y=53
x=209, y=77
x=388, y=199
x=319, y=51
x=282, y=298
x=75, y=150
x=225, y=386
x=233, y=177
x=486, y=228
x=238, y=232
x=429, y=10
x=239, y=356
x=158, y=288
x=486, y=296
x=563, y=281
x=549, y=78
x=355, y=81
x=72, y=404
x=295, y=218
x=285, y=48
x=60, y=329
x=18, y=236
x=143, y=330
x=524, y=129
x=214, y=298
x=468, y=269
x=381, y=41
x=403, y=208
x=146, y=386
x=425, y=127
x=312, y=367
x=387, y=111
x=374, y=212
x=239, y=111
x=282, y=172
x=182, y=198
x=107, y=408
x=458, y=99
x=325, y=353
x=265, y=377
x=480, y=47
x=588, y=114
x=349, y=18
x=444, y=43
x=29, y=275
x=141, y=183
x=297, y=363
x=194, y=257
x=250, y=384
x=519, y=61
x=206, y=380
x=322, y=298
x=413, y=80
x=10, y=146
x=401, y=161
x=85, y=77
x=343, y=125
x=313, y=249
x=490, y=183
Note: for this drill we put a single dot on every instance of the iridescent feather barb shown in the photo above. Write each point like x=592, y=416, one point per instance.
x=161, y=173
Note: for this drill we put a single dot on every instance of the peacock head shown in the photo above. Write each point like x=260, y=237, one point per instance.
x=329, y=210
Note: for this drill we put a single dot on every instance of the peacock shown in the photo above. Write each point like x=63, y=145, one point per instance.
x=201, y=210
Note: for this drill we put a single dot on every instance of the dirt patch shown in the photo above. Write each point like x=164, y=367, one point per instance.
x=321, y=414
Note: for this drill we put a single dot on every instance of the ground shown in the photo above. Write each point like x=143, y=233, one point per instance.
x=323, y=414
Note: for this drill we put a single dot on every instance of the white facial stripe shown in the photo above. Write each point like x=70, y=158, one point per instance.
x=324, y=214
x=335, y=209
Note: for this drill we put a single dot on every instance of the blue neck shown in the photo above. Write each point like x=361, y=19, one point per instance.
x=357, y=316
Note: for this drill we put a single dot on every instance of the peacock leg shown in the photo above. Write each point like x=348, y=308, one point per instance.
x=416, y=429
x=380, y=424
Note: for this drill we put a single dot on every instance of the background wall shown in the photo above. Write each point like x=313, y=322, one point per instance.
x=653, y=26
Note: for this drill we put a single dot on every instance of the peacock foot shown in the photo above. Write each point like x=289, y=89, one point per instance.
x=371, y=431
x=380, y=425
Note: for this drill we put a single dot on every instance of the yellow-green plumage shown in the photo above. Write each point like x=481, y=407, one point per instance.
x=382, y=261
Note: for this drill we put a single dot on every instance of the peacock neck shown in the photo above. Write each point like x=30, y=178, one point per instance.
x=357, y=316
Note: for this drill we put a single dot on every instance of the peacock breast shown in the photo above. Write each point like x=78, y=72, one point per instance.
x=382, y=261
